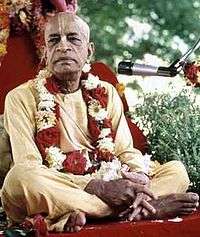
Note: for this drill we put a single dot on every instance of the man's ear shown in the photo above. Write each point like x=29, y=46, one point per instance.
x=91, y=49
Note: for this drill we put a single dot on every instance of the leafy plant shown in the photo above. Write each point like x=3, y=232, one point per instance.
x=172, y=126
x=169, y=21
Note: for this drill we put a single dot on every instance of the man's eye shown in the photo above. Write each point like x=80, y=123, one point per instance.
x=74, y=40
x=54, y=40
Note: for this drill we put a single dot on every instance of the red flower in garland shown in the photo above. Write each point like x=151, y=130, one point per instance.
x=40, y=225
x=93, y=128
x=75, y=163
x=192, y=73
x=46, y=138
x=86, y=96
x=4, y=17
x=100, y=94
x=57, y=111
x=104, y=155
x=52, y=86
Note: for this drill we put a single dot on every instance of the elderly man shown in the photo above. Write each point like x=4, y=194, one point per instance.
x=72, y=149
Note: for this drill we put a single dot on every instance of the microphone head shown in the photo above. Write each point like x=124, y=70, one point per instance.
x=125, y=67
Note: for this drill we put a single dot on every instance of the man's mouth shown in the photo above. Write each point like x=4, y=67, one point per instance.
x=65, y=59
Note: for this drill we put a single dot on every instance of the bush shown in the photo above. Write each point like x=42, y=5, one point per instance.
x=172, y=126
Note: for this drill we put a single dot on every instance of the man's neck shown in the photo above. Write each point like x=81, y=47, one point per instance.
x=68, y=83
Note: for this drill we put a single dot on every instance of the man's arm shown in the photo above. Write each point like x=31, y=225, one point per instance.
x=124, y=148
x=127, y=154
x=19, y=123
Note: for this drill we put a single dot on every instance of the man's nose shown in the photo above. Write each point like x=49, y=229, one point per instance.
x=64, y=44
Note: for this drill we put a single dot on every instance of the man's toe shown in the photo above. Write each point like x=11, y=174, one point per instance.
x=80, y=219
x=194, y=197
x=77, y=228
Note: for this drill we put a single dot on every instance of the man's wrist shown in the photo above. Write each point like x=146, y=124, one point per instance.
x=95, y=187
x=145, y=176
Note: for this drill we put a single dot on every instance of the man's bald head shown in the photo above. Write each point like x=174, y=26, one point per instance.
x=67, y=21
x=67, y=43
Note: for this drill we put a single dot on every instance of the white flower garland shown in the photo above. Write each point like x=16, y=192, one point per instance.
x=46, y=118
x=96, y=111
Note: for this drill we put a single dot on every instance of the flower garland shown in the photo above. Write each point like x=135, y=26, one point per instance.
x=20, y=15
x=4, y=30
x=192, y=74
x=37, y=27
x=99, y=125
x=120, y=87
x=17, y=16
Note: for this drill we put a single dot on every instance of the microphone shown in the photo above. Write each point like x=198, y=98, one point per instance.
x=130, y=68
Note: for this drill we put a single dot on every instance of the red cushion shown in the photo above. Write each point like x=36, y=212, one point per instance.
x=18, y=66
x=189, y=227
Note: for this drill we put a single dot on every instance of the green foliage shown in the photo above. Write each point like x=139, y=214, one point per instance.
x=168, y=19
x=173, y=126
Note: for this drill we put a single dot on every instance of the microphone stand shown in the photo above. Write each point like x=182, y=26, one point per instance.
x=129, y=68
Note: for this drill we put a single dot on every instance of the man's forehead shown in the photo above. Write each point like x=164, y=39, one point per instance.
x=67, y=23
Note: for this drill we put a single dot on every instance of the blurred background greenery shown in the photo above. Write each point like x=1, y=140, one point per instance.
x=130, y=28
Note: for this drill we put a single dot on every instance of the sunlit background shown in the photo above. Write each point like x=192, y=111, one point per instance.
x=155, y=32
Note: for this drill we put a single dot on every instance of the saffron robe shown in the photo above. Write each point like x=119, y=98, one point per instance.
x=31, y=188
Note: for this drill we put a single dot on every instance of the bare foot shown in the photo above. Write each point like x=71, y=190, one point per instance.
x=75, y=222
x=170, y=206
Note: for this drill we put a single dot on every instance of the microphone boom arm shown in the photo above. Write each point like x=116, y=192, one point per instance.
x=130, y=68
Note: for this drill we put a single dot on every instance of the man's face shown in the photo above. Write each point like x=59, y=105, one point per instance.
x=67, y=41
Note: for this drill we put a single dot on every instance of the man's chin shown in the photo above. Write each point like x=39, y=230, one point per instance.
x=67, y=69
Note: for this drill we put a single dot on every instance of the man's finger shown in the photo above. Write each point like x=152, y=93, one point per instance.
x=125, y=213
x=137, y=201
x=143, y=189
x=125, y=168
x=145, y=212
x=134, y=213
x=188, y=210
x=148, y=206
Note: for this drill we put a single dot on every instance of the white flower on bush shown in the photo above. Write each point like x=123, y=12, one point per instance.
x=109, y=170
x=143, y=124
x=106, y=144
x=55, y=158
x=96, y=111
x=105, y=132
x=86, y=68
x=92, y=82
x=145, y=131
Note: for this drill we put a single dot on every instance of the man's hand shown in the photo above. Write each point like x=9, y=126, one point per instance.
x=140, y=204
x=117, y=193
x=136, y=177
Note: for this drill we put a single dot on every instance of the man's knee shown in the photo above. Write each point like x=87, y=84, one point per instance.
x=18, y=177
x=178, y=170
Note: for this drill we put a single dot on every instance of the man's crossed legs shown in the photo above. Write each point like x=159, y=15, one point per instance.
x=28, y=191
